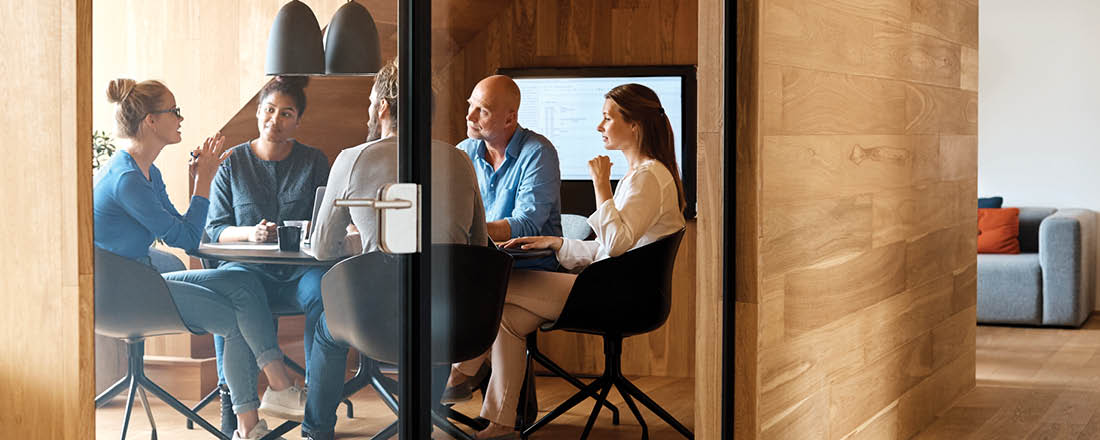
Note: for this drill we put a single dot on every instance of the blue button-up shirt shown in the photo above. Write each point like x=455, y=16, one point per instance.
x=526, y=189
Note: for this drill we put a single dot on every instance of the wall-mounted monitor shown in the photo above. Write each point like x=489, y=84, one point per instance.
x=565, y=104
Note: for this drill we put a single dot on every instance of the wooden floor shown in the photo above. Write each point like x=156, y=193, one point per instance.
x=675, y=394
x=1031, y=384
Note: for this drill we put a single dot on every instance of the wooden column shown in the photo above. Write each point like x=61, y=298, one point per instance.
x=46, y=303
x=710, y=259
x=857, y=138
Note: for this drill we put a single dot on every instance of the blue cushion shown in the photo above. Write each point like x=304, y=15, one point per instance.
x=990, y=202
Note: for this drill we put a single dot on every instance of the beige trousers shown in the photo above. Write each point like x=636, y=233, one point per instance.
x=534, y=297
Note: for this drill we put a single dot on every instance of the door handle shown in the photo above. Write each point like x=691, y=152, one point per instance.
x=374, y=203
x=398, y=217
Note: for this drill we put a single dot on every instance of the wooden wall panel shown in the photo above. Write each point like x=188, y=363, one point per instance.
x=541, y=33
x=537, y=33
x=46, y=298
x=865, y=194
x=812, y=35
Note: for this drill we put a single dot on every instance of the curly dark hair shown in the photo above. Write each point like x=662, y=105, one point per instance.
x=292, y=86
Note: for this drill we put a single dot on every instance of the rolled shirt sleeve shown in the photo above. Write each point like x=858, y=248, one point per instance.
x=538, y=193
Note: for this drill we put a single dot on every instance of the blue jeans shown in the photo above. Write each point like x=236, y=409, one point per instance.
x=326, y=382
x=304, y=292
x=230, y=305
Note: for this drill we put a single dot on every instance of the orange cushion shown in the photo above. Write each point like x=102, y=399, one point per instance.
x=998, y=231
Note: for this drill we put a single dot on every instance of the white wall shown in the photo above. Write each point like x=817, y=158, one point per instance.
x=1039, y=103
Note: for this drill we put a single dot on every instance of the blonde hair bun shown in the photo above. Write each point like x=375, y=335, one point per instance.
x=118, y=90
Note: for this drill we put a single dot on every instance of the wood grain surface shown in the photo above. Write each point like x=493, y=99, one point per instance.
x=864, y=157
x=46, y=305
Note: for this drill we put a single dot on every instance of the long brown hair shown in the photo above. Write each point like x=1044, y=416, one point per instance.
x=639, y=104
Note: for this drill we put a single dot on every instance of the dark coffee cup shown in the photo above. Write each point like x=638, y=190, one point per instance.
x=290, y=237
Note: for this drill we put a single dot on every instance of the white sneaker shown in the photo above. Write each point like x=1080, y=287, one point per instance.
x=288, y=404
x=258, y=432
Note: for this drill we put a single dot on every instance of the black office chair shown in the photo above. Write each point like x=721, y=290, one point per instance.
x=362, y=308
x=639, y=281
x=575, y=227
x=132, y=302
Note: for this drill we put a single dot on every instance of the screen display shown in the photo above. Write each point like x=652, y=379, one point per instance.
x=567, y=111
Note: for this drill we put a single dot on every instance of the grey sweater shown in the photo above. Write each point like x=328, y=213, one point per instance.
x=457, y=213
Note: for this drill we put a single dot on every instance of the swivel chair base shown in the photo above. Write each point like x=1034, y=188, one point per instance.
x=529, y=408
x=138, y=383
x=385, y=387
x=612, y=376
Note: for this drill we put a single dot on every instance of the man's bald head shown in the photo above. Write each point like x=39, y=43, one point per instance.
x=494, y=107
x=501, y=91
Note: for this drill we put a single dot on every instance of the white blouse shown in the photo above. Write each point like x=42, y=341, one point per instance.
x=645, y=208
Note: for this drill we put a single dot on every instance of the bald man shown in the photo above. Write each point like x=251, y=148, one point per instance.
x=517, y=169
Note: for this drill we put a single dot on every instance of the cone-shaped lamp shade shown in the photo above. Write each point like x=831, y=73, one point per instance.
x=294, y=46
x=351, y=42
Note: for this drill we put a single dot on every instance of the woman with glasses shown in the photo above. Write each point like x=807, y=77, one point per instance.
x=264, y=182
x=132, y=209
x=646, y=206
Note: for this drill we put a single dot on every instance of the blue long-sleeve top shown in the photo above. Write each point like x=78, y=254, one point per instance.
x=131, y=211
x=526, y=189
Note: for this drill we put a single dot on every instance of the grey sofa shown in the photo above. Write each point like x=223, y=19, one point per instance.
x=1052, y=281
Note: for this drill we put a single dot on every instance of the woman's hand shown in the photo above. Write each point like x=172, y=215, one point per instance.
x=600, y=170
x=531, y=243
x=205, y=165
x=193, y=162
x=264, y=231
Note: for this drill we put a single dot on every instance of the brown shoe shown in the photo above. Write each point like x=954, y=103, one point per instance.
x=465, y=390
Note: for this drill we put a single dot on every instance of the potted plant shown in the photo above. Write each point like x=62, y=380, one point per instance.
x=102, y=148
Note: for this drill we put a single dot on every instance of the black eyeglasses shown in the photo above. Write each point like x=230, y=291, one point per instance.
x=173, y=110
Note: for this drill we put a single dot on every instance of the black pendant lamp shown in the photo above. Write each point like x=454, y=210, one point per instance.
x=351, y=42
x=294, y=45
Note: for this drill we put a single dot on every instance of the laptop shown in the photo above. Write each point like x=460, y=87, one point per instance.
x=318, y=199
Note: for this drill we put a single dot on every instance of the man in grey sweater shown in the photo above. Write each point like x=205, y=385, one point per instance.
x=457, y=217
x=359, y=171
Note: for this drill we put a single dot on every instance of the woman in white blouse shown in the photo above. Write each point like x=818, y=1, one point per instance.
x=647, y=206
